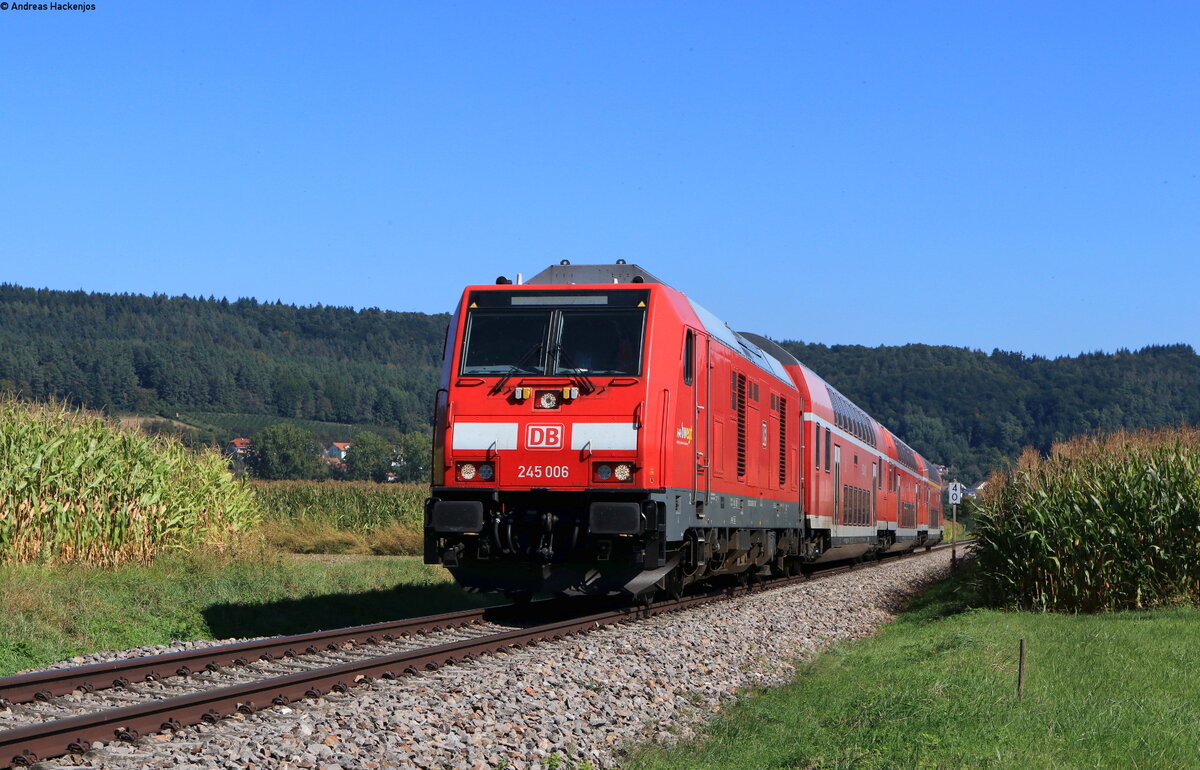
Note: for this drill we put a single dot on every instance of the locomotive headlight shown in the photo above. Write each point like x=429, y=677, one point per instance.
x=623, y=472
x=486, y=471
x=548, y=399
x=604, y=472
x=466, y=471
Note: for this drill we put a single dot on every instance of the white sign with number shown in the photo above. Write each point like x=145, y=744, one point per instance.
x=955, y=493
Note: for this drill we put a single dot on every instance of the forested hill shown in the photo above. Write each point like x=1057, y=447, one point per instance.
x=164, y=355
x=971, y=410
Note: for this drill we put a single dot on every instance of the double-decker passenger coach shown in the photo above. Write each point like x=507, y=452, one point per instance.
x=597, y=431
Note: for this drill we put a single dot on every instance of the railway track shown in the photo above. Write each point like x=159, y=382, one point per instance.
x=66, y=711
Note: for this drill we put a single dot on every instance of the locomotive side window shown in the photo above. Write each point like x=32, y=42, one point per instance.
x=689, y=357
x=500, y=341
x=817, y=446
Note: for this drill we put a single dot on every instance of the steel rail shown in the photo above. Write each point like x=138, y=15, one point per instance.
x=43, y=685
x=25, y=745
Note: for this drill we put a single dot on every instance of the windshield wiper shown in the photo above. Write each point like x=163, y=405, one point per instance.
x=577, y=374
x=516, y=368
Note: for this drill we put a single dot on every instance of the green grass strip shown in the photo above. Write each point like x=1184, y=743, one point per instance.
x=937, y=689
x=53, y=613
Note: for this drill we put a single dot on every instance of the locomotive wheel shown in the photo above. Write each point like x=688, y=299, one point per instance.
x=519, y=598
x=673, y=584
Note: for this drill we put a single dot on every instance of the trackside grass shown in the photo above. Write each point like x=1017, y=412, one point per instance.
x=937, y=689
x=75, y=487
x=1107, y=522
x=52, y=613
x=343, y=516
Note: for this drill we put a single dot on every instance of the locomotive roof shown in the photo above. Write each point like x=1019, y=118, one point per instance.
x=619, y=272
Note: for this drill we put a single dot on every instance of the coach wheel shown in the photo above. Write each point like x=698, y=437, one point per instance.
x=519, y=598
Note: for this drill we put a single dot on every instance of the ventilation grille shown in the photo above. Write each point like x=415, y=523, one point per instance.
x=908, y=515
x=782, y=442
x=739, y=395
x=856, y=510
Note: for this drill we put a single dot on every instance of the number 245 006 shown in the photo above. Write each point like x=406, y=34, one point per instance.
x=543, y=471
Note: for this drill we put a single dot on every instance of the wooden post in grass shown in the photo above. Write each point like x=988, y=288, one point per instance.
x=1021, y=672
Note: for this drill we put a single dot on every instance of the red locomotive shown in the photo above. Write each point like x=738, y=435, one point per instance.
x=597, y=431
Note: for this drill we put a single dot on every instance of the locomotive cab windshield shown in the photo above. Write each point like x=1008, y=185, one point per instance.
x=555, y=334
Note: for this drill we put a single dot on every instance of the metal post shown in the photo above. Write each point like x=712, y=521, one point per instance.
x=954, y=537
x=1021, y=673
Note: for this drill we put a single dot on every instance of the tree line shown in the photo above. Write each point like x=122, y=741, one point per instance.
x=286, y=451
x=974, y=411
x=161, y=355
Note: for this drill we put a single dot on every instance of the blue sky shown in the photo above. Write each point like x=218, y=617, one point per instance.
x=1010, y=175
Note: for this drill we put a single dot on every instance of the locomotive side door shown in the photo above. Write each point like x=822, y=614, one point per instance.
x=696, y=374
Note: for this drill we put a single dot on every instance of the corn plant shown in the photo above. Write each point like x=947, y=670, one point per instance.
x=355, y=506
x=75, y=487
x=1103, y=522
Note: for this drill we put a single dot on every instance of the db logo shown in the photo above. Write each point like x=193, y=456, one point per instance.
x=544, y=437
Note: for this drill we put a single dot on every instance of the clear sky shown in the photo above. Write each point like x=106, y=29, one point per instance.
x=1013, y=175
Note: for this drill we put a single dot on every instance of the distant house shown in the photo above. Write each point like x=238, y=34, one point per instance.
x=239, y=448
x=337, y=450
x=977, y=489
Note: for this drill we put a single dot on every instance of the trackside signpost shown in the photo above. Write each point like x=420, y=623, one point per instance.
x=955, y=498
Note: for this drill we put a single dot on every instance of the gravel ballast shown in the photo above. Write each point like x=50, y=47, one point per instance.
x=579, y=700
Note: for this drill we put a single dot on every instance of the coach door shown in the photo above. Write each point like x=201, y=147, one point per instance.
x=874, y=490
x=837, y=483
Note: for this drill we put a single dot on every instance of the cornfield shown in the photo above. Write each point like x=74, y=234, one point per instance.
x=343, y=516
x=74, y=487
x=1104, y=522
x=357, y=506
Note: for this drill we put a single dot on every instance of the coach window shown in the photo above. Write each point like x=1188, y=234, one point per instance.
x=827, y=450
